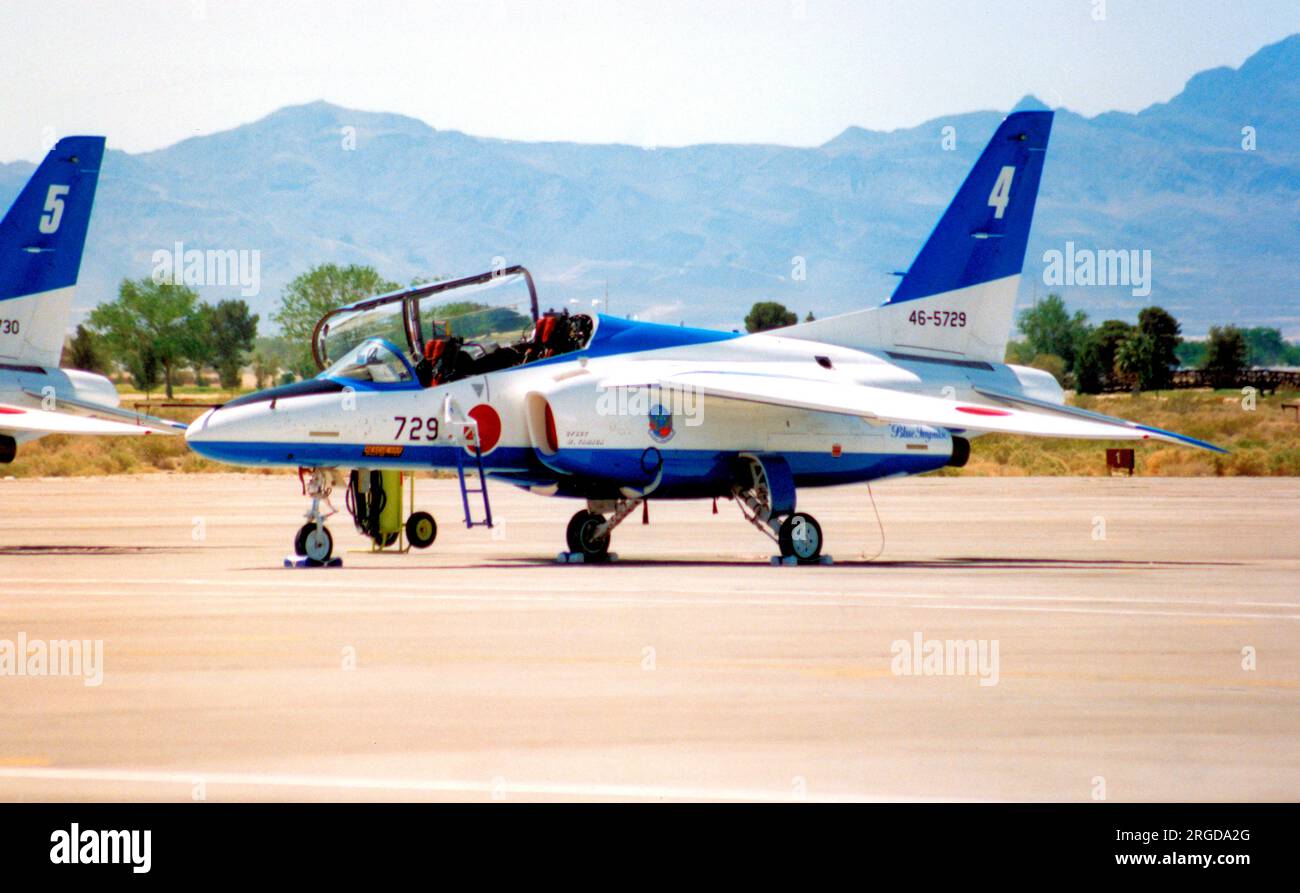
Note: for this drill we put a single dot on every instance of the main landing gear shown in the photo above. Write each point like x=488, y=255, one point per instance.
x=766, y=499
x=764, y=491
x=588, y=532
x=800, y=537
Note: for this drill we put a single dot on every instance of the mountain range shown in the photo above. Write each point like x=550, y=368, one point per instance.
x=1209, y=182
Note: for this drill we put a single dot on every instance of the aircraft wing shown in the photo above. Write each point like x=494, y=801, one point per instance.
x=129, y=416
x=20, y=419
x=888, y=405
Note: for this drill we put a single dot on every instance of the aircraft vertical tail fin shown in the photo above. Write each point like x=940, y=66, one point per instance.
x=958, y=297
x=41, y=241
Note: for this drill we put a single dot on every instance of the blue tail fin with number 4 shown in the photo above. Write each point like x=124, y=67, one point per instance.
x=957, y=299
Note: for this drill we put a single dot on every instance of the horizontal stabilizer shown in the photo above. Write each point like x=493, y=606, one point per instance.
x=130, y=416
x=20, y=419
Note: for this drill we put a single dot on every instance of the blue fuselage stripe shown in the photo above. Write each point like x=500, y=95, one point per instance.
x=686, y=473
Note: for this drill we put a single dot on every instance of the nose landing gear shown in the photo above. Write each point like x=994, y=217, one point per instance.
x=313, y=540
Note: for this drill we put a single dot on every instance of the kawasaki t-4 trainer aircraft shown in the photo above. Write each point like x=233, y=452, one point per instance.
x=615, y=412
x=41, y=240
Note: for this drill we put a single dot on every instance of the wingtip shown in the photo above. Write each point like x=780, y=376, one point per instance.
x=1183, y=438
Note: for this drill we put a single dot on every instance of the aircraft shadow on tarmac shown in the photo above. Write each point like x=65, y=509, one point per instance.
x=941, y=564
x=73, y=549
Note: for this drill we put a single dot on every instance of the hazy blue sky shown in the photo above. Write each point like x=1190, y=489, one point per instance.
x=663, y=72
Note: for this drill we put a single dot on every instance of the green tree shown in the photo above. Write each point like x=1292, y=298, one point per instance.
x=1266, y=347
x=263, y=369
x=470, y=319
x=313, y=294
x=83, y=351
x=1051, y=363
x=152, y=322
x=1166, y=333
x=144, y=369
x=809, y=317
x=1049, y=328
x=231, y=331
x=1018, y=352
x=1225, y=355
x=767, y=315
x=275, y=350
x=1094, y=368
x=1136, y=359
x=1191, y=354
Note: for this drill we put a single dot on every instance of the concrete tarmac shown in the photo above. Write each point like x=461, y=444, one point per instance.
x=1147, y=636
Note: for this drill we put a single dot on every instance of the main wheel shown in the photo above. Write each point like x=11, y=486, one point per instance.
x=318, y=545
x=581, y=535
x=800, y=536
x=300, y=539
x=421, y=530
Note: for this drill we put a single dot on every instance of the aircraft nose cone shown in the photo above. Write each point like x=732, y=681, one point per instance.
x=240, y=435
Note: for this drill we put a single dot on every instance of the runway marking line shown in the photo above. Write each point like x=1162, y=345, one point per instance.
x=493, y=788
x=820, y=599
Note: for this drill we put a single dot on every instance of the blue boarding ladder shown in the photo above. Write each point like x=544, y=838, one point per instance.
x=469, y=424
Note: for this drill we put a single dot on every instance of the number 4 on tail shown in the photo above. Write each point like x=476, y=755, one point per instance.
x=1001, y=191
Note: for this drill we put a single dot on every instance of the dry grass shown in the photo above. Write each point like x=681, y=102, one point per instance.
x=1265, y=441
x=63, y=455
x=1262, y=442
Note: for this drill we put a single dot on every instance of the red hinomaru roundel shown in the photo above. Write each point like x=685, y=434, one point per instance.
x=489, y=427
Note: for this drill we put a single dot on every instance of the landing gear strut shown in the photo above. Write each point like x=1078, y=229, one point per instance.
x=313, y=539
x=588, y=532
x=797, y=534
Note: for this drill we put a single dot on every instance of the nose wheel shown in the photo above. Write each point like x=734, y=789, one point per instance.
x=314, y=542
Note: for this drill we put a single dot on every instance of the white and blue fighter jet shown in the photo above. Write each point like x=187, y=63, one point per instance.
x=615, y=412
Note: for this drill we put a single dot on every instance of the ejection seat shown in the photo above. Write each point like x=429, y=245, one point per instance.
x=427, y=370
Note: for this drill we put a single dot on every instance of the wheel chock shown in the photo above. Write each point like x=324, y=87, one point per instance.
x=580, y=558
x=791, y=561
x=299, y=561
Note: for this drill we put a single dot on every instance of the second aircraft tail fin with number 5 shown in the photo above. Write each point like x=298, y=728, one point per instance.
x=41, y=240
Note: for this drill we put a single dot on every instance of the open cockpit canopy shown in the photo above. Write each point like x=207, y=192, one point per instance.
x=498, y=303
x=447, y=330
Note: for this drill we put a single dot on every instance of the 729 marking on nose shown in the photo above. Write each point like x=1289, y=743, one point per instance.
x=428, y=425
